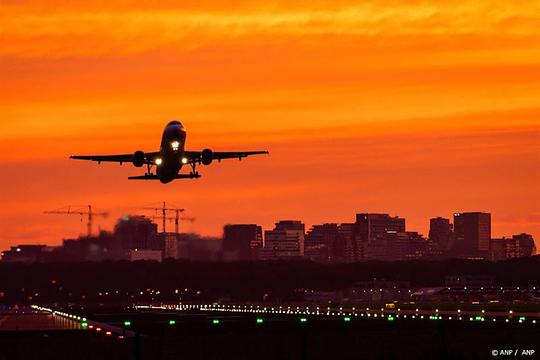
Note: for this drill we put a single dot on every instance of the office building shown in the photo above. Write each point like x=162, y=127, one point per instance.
x=285, y=241
x=472, y=231
x=441, y=233
x=242, y=241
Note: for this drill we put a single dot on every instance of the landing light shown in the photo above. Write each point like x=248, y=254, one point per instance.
x=158, y=161
x=175, y=145
x=184, y=160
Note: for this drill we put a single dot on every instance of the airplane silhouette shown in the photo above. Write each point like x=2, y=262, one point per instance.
x=170, y=158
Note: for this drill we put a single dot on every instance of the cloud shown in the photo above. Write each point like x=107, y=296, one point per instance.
x=35, y=31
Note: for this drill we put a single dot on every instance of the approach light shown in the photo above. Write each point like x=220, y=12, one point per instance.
x=159, y=161
x=184, y=160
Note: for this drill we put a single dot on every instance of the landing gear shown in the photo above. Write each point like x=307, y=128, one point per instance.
x=193, y=173
x=149, y=168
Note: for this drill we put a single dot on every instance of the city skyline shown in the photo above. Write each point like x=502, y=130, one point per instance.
x=188, y=226
x=409, y=108
x=373, y=236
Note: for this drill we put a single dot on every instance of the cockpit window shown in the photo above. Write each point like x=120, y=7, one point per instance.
x=176, y=123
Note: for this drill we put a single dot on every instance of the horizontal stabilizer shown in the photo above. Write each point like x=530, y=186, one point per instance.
x=155, y=177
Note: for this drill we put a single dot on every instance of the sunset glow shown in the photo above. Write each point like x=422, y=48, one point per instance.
x=405, y=107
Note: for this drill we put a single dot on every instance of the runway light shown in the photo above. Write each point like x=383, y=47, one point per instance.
x=215, y=321
x=127, y=323
x=259, y=320
x=108, y=333
x=303, y=320
x=390, y=318
x=172, y=322
x=347, y=319
x=84, y=324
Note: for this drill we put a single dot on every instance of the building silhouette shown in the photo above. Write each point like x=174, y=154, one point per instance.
x=285, y=241
x=375, y=234
x=242, y=241
x=137, y=232
x=472, y=231
x=441, y=233
x=517, y=246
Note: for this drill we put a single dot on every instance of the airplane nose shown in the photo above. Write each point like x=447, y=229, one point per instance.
x=176, y=124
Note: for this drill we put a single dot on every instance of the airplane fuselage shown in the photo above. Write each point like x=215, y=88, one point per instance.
x=172, y=151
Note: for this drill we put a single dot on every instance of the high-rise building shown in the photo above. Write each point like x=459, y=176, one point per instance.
x=397, y=246
x=242, y=241
x=136, y=232
x=285, y=241
x=520, y=245
x=472, y=231
x=371, y=226
x=370, y=231
x=336, y=240
x=526, y=245
x=440, y=233
x=348, y=243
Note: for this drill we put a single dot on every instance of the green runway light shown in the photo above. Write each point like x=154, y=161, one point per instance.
x=260, y=320
x=522, y=318
x=347, y=319
x=127, y=323
x=303, y=320
x=215, y=321
x=172, y=322
x=84, y=324
x=390, y=318
x=433, y=317
x=479, y=318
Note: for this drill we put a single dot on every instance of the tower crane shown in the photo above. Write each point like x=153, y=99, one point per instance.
x=80, y=210
x=164, y=209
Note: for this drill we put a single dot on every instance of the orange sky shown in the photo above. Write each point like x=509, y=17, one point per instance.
x=408, y=107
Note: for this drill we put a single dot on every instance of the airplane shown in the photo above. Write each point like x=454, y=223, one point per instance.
x=170, y=158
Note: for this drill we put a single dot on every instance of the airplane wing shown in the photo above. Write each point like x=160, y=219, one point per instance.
x=197, y=156
x=122, y=158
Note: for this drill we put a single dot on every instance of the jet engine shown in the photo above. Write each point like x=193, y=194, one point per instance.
x=139, y=158
x=207, y=156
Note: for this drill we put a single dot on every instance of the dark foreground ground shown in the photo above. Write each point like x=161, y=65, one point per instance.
x=231, y=336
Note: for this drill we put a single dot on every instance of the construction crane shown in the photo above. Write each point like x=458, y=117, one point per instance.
x=80, y=210
x=164, y=209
